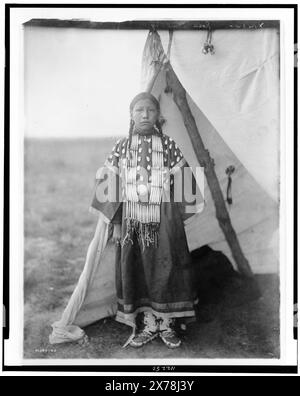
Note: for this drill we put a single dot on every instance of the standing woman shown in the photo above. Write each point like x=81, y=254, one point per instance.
x=153, y=265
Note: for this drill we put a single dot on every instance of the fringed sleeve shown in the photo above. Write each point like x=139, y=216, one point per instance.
x=107, y=195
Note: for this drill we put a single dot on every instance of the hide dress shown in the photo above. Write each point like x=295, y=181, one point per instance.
x=153, y=264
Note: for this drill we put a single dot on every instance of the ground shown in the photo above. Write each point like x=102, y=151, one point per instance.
x=59, y=180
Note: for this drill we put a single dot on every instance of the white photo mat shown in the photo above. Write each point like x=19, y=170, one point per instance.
x=13, y=352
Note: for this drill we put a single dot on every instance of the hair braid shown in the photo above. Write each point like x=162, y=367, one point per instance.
x=158, y=126
x=131, y=126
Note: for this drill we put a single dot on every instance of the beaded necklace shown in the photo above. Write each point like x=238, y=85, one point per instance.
x=142, y=199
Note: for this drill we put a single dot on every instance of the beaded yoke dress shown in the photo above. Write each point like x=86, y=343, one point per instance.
x=153, y=265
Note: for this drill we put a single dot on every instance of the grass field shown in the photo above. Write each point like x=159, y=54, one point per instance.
x=59, y=180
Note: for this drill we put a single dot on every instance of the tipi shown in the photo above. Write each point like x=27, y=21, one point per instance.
x=231, y=99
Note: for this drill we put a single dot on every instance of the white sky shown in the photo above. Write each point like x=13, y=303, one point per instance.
x=79, y=82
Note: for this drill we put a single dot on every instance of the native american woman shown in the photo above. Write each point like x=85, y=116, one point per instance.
x=153, y=264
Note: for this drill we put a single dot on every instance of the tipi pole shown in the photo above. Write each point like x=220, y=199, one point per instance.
x=179, y=97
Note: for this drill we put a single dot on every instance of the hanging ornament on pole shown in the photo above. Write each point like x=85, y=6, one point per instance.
x=208, y=47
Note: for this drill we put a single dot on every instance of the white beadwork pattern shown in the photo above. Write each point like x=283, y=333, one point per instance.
x=146, y=212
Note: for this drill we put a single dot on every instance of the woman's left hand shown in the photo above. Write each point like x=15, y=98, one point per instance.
x=116, y=233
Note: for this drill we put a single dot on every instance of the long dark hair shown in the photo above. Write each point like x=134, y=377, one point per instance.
x=157, y=126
